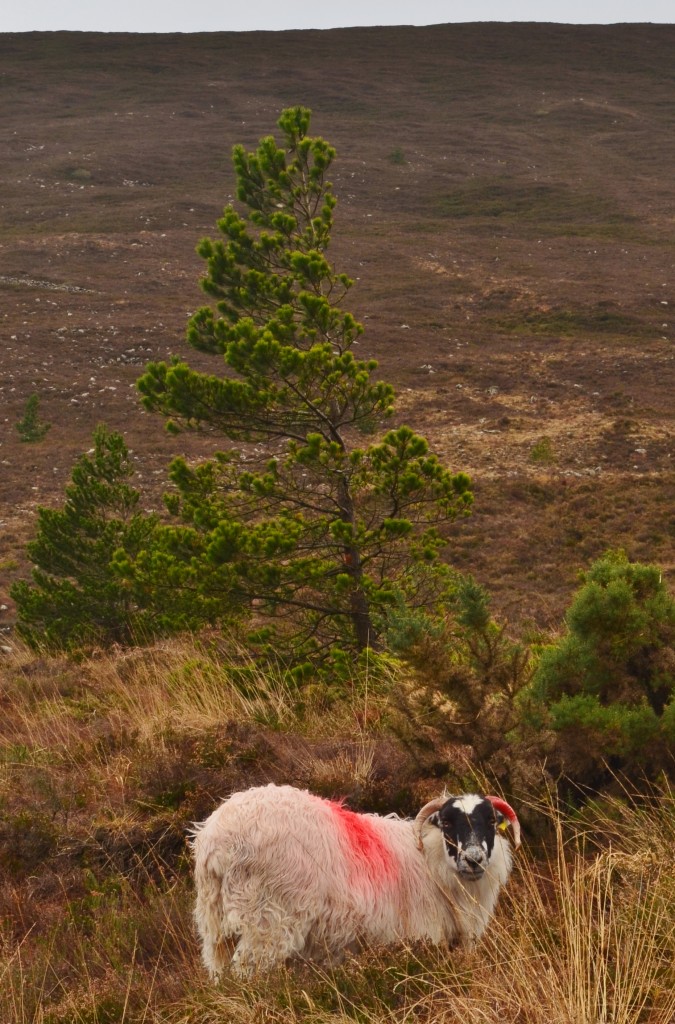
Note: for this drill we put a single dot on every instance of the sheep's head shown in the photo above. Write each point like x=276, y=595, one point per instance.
x=469, y=825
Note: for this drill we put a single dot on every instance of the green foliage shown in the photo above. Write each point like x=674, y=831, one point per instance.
x=76, y=597
x=30, y=426
x=607, y=688
x=27, y=840
x=467, y=681
x=544, y=208
x=543, y=451
x=312, y=531
x=397, y=156
x=568, y=322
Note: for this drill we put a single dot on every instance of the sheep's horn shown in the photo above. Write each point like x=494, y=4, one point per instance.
x=426, y=812
x=508, y=812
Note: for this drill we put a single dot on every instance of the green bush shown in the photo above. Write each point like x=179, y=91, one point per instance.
x=30, y=426
x=76, y=597
x=606, y=689
x=462, y=695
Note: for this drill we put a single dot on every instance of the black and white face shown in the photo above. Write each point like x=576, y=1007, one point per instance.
x=469, y=825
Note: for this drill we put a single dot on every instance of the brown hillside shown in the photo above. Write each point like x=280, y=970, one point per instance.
x=506, y=199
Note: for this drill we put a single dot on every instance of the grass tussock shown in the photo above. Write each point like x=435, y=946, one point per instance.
x=104, y=764
x=549, y=209
x=589, y=322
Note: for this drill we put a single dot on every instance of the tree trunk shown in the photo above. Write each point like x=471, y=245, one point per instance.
x=364, y=631
x=362, y=625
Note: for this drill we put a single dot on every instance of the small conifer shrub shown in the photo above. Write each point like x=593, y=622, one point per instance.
x=30, y=426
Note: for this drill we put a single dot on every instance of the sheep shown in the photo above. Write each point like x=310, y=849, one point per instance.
x=289, y=874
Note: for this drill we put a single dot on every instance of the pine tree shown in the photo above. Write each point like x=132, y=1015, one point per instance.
x=317, y=531
x=607, y=687
x=76, y=597
x=30, y=426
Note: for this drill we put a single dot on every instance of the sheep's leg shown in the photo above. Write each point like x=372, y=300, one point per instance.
x=216, y=954
x=268, y=946
x=330, y=955
x=233, y=908
x=244, y=959
x=216, y=937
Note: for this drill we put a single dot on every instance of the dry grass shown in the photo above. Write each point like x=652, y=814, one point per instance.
x=193, y=685
x=586, y=942
x=104, y=762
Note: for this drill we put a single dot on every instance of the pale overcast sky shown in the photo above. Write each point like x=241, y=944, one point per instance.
x=275, y=15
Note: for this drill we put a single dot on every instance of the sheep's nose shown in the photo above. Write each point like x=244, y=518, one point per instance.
x=475, y=856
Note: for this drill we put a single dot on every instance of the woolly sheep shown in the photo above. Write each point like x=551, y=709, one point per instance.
x=285, y=873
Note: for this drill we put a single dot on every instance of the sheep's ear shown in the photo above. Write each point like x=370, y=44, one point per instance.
x=435, y=819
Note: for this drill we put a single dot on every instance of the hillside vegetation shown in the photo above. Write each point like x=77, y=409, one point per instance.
x=505, y=198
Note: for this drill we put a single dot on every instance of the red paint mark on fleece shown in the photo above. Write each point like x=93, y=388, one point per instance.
x=370, y=855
